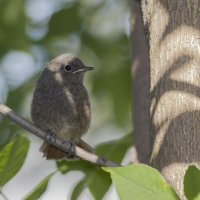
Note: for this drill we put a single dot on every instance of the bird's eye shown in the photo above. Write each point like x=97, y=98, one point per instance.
x=68, y=67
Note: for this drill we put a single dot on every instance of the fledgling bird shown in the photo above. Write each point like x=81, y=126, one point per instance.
x=61, y=104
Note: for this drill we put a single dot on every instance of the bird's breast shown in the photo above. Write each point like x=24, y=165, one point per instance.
x=77, y=122
x=63, y=110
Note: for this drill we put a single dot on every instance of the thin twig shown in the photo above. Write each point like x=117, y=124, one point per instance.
x=79, y=152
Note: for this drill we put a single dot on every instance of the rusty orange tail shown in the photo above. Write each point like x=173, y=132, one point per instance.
x=51, y=152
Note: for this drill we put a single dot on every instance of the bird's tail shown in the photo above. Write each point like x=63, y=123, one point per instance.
x=52, y=152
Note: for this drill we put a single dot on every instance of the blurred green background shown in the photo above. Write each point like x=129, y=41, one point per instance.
x=34, y=32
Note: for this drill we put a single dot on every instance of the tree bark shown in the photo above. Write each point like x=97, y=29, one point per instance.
x=140, y=85
x=173, y=27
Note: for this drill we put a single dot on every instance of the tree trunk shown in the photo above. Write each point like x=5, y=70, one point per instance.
x=172, y=27
x=140, y=85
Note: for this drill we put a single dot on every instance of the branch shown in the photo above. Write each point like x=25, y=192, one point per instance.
x=79, y=152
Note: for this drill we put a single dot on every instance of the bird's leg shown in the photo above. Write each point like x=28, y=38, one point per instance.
x=50, y=137
x=68, y=145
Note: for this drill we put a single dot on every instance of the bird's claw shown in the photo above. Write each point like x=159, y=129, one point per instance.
x=70, y=147
x=50, y=137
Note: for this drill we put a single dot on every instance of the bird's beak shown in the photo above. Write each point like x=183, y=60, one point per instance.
x=85, y=69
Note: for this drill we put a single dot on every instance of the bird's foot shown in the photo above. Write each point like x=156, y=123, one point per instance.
x=50, y=137
x=70, y=146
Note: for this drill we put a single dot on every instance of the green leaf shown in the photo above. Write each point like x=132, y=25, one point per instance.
x=197, y=197
x=5, y=134
x=98, y=178
x=95, y=176
x=109, y=149
x=39, y=189
x=12, y=158
x=192, y=183
x=15, y=100
x=141, y=182
x=78, y=189
x=62, y=166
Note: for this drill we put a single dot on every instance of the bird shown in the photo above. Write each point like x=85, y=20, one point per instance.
x=61, y=105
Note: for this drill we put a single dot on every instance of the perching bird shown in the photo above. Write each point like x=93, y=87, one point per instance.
x=61, y=104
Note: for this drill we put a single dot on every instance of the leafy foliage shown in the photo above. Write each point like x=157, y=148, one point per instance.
x=69, y=28
x=12, y=158
x=39, y=189
x=140, y=182
x=75, y=27
x=96, y=176
x=93, y=176
x=191, y=183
